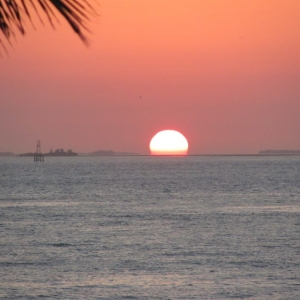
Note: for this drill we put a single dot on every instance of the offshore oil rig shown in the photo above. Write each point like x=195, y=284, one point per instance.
x=38, y=155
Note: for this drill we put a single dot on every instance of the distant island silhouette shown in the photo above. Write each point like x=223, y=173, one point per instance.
x=61, y=152
x=103, y=153
x=57, y=152
x=111, y=153
x=283, y=152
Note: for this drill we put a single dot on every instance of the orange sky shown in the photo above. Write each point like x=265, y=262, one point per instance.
x=226, y=74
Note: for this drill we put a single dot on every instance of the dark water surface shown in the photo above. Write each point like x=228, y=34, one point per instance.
x=150, y=228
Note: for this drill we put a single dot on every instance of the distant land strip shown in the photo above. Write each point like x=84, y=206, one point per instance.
x=282, y=152
x=111, y=153
x=60, y=152
x=57, y=152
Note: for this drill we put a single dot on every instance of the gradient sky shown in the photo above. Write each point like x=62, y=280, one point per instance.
x=226, y=74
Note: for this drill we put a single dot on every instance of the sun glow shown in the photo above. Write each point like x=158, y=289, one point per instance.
x=169, y=142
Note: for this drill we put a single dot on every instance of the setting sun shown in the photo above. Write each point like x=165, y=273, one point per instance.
x=169, y=142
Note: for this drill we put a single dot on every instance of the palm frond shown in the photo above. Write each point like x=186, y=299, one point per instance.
x=13, y=13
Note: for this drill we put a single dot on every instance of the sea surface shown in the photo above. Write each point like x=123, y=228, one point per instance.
x=197, y=227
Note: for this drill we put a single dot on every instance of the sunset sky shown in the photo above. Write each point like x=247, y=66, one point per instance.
x=225, y=73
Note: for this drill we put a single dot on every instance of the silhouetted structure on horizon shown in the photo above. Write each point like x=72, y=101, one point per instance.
x=38, y=155
x=61, y=152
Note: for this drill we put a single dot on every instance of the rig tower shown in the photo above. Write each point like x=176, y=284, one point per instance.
x=38, y=155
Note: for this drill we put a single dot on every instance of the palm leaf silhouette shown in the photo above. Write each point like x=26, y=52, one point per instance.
x=14, y=12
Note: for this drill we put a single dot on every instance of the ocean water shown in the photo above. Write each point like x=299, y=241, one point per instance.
x=150, y=228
